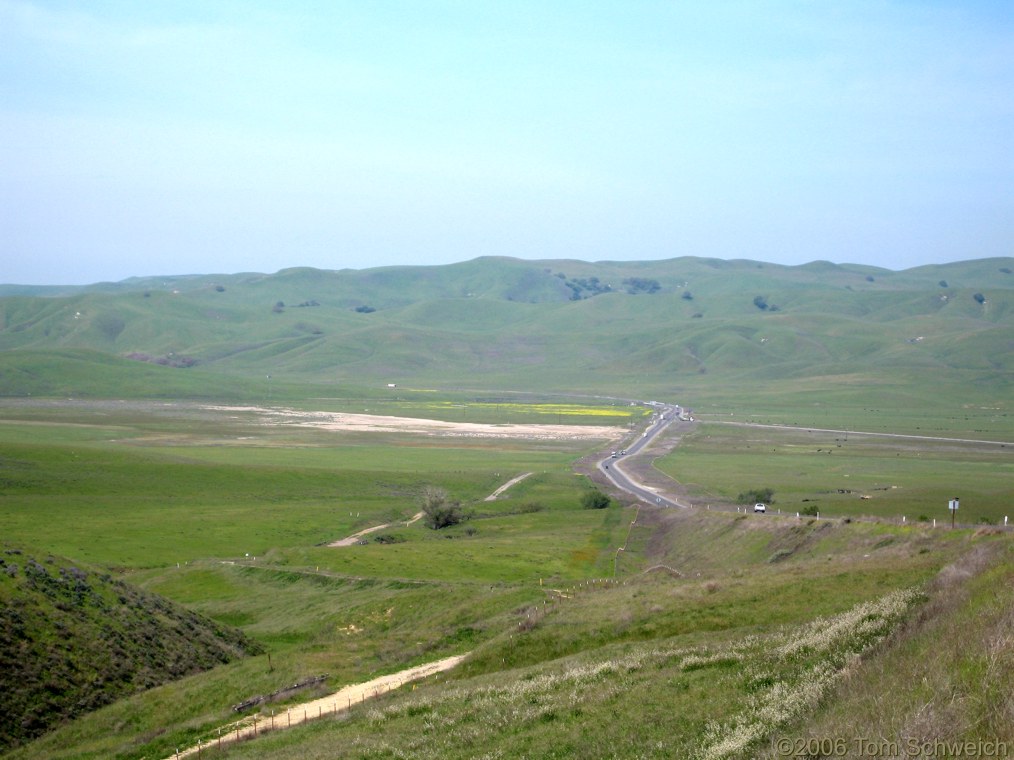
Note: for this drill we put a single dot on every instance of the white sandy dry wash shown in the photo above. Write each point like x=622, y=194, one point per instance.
x=342, y=421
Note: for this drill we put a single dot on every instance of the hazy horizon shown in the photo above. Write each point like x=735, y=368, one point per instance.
x=197, y=138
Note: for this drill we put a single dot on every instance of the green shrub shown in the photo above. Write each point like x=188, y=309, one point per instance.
x=594, y=499
x=438, y=510
x=755, y=495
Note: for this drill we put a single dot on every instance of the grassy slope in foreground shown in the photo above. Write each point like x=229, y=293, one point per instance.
x=663, y=667
x=73, y=640
x=957, y=662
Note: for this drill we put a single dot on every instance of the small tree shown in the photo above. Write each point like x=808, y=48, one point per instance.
x=438, y=510
x=754, y=495
x=594, y=499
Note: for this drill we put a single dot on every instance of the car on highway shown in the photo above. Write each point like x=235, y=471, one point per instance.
x=758, y=507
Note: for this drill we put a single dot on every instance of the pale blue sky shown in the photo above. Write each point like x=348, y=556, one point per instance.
x=141, y=138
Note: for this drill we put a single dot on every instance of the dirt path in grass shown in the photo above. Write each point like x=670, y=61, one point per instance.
x=493, y=496
x=340, y=701
x=355, y=538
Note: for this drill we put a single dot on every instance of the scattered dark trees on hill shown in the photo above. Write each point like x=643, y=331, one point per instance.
x=279, y=307
x=439, y=511
x=942, y=283
x=584, y=287
x=979, y=298
x=761, y=302
x=365, y=309
x=637, y=285
x=687, y=295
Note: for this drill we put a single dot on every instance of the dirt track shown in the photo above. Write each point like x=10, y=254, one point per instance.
x=493, y=496
x=341, y=700
x=356, y=537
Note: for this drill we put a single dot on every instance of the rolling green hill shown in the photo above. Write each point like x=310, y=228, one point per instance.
x=682, y=325
x=73, y=640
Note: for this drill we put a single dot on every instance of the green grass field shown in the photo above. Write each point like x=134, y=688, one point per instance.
x=577, y=648
x=226, y=515
x=132, y=488
x=847, y=474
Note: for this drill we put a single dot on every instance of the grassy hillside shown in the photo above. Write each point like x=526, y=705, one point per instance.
x=714, y=669
x=693, y=326
x=726, y=649
x=73, y=640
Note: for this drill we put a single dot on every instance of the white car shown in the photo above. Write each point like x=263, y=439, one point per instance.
x=759, y=507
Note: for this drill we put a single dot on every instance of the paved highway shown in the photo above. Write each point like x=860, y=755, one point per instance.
x=612, y=467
